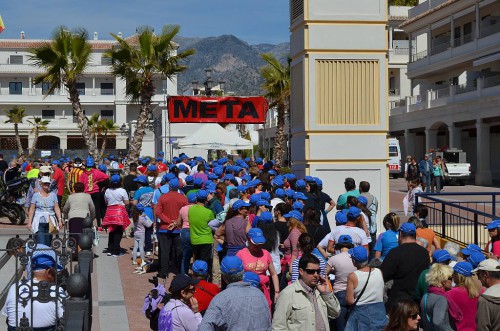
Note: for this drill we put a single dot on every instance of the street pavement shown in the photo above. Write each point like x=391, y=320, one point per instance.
x=118, y=293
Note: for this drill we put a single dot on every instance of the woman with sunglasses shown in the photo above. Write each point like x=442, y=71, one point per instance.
x=404, y=316
x=465, y=294
x=255, y=258
x=181, y=313
x=436, y=307
x=493, y=246
x=44, y=209
x=365, y=294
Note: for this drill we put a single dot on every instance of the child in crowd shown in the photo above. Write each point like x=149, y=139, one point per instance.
x=143, y=219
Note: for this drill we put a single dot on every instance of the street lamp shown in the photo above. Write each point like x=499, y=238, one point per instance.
x=196, y=88
x=124, y=130
x=208, y=84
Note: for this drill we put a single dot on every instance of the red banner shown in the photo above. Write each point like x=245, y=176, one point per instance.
x=189, y=109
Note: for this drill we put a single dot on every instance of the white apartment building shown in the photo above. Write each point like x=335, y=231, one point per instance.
x=100, y=92
x=454, y=70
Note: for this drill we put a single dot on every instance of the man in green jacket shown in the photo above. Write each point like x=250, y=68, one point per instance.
x=487, y=317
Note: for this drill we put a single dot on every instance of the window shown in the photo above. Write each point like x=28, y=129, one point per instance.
x=48, y=114
x=393, y=151
x=107, y=114
x=15, y=88
x=80, y=87
x=16, y=59
x=107, y=89
x=46, y=88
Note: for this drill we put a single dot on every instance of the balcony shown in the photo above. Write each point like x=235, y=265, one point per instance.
x=489, y=30
x=482, y=87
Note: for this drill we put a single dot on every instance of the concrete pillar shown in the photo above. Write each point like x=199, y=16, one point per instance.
x=410, y=143
x=316, y=120
x=455, y=136
x=390, y=37
x=63, y=140
x=121, y=118
x=93, y=86
x=483, y=171
x=430, y=139
x=478, y=22
x=429, y=41
x=452, y=34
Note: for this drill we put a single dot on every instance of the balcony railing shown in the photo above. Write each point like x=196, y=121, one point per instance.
x=442, y=93
x=107, y=91
x=489, y=30
x=401, y=51
x=464, y=88
x=439, y=48
x=393, y=92
x=491, y=81
x=419, y=56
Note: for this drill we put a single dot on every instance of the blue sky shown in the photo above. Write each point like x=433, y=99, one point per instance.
x=254, y=21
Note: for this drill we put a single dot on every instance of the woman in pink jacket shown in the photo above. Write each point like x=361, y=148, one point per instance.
x=90, y=178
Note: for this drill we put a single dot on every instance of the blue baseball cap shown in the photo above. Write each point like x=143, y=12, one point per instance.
x=278, y=182
x=181, y=167
x=265, y=196
x=358, y=254
x=115, y=179
x=228, y=177
x=263, y=202
x=42, y=261
x=341, y=218
x=56, y=162
x=151, y=167
x=299, y=196
x=169, y=176
x=318, y=181
x=200, y=267
x=111, y=157
x=189, y=179
x=344, y=239
x=201, y=195
x=240, y=204
x=241, y=188
x=272, y=172
x=198, y=182
x=103, y=167
x=266, y=217
x=254, y=198
x=295, y=214
x=89, y=162
x=300, y=184
x=309, y=179
x=363, y=200
x=256, y=236
x=441, y=255
x=297, y=205
x=290, y=193
x=252, y=278
x=471, y=248
x=231, y=265
x=161, y=153
x=191, y=197
x=213, y=177
x=246, y=178
x=408, y=228
x=280, y=193
x=222, y=161
x=211, y=188
x=173, y=183
x=463, y=268
x=139, y=207
x=475, y=258
x=159, y=159
x=495, y=224
x=144, y=161
x=141, y=179
x=290, y=176
x=258, y=160
x=353, y=213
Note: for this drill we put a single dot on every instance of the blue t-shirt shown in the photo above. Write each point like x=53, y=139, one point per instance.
x=144, y=196
x=44, y=204
x=385, y=242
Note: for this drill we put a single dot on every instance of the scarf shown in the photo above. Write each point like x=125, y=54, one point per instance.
x=453, y=309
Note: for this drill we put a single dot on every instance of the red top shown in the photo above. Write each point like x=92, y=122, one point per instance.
x=142, y=169
x=91, y=178
x=161, y=167
x=168, y=207
x=469, y=306
x=204, y=293
x=59, y=178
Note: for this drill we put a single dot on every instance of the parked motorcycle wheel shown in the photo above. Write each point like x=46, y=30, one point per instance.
x=21, y=215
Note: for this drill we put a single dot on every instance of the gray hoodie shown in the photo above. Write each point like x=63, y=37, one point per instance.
x=488, y=310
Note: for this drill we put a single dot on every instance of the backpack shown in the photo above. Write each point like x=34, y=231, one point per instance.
x=165, y=320
x=150, y=305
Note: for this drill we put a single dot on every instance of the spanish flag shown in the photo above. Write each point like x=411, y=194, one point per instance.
x=2, y=26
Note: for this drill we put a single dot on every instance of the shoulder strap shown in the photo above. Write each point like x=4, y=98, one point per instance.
x=363, y=290
x=426, y=295
x=204, y=290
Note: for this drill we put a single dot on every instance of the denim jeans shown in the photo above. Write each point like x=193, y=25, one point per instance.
x=148, y=245
x=42, y=236
x=426, y=180
x=367, y=317
x=187, y=251
x=340, y=321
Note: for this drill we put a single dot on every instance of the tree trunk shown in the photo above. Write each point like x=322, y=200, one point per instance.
x=103, y=147
x=18, y=140
x=279, y=142
x=87, y=135
x=135, y=145
x=35, y=141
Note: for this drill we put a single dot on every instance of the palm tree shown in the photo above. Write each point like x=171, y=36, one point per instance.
x=39, y=125
x=138, y=63
x=277, y=86
x=15, y=116
x=64, y=60
x=106, y=127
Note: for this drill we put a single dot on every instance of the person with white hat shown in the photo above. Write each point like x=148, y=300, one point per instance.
x=488, y=306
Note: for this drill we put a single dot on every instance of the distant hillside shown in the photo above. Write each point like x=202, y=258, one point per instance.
x=231, y=59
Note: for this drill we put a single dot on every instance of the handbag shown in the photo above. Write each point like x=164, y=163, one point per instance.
x=351, y=308
x=53, y=225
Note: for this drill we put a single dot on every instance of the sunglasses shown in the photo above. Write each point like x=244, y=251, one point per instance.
x=413, y=316
x=450, y=278
x=312, y=271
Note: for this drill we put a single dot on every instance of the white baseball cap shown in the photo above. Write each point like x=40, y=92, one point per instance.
x=45, y=179
x=488, y=265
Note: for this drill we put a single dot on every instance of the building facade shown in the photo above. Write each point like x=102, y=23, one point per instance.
x=454, y=68
x=100, y=92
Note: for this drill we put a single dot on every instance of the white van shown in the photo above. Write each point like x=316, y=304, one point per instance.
x=394, y=160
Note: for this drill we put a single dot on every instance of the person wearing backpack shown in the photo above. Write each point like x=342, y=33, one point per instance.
x=144, y=196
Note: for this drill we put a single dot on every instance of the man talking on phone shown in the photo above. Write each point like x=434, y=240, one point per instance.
x=307, y=304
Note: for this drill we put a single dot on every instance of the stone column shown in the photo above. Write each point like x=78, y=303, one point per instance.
x=121, y=118
x=455, y=136
x=410, y=144
x=483, y=169
x=430, y=139
x=63, y=140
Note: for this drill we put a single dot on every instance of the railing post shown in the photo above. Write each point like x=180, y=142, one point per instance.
x=76, y=314
x=494, y=204
x=476, y=232
x=443, y=218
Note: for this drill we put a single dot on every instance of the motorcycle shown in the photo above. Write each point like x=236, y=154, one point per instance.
x=12, y=200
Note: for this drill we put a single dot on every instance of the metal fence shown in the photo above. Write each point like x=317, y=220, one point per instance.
x=67, y=290
x=461, y=221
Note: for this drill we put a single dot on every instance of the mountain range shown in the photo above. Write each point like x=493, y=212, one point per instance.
x=231, y=59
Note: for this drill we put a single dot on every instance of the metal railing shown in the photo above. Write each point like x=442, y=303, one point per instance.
x=442, y=93
x=489, y=30
x=461, y=221
x=70, y=289
x=419, y=56
x=491, y=81
x=464, y=88
x=441, y=47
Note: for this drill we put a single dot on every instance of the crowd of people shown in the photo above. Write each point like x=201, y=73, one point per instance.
x=290, y=257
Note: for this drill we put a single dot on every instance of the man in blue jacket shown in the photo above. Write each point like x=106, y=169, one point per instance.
x=425, y=167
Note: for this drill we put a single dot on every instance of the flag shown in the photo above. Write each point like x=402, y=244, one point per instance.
x=2, y=26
